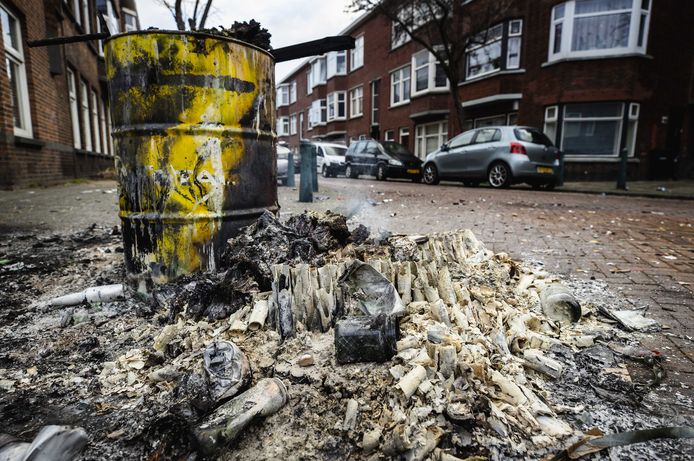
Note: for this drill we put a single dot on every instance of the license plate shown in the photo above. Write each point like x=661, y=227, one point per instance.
x=413, y=171
x=544, y=169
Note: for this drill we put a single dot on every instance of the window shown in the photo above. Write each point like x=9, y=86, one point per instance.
x=592, y=129
x=111, y=18
x=374, y=101
x=550, y=127
x=585, y=28
x=405, y=137
x=77, y=10
x=493, y=120
x=487, y=135
x=400, y=86
x=356, y=55
x=84, y=101
x=292, y=124
x=301, y=125
x=317, y=113
x=318, y=72
x=309, y=81
x=412, y=16
x=337, y=63
x=104, y=131
x=356, y=100
x=86, y=19
x=461, y=140
x=129, y=20
x=283, y=95
x=427, y=73
x=485, y=55
x=96, y=129
x=515, y=30
x=336, y=105
x=16, y=73
x=429, y=137
x=74, y=110
x=108, y=130
x=292, y=92
x=389, y=135
x=283, y=126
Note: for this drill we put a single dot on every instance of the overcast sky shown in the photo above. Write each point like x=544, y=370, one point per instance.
x=289, y=21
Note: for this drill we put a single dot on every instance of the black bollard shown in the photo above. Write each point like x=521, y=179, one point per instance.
x=306, y=178
x=314, y=167
x=290, y=170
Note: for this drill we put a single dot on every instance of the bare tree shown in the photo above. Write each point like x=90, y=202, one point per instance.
x=447, y=28
x=177, y=8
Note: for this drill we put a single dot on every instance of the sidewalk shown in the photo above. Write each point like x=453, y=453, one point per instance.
x=681, y=189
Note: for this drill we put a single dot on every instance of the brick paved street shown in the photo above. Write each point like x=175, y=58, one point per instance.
x=643, y=248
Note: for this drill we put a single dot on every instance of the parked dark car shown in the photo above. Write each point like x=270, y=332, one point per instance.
x=502, y=155
x=383, y=159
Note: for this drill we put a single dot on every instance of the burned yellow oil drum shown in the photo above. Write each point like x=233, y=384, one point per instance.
x=193, y=118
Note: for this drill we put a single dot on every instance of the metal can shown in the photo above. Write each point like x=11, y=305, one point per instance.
x=193, y=118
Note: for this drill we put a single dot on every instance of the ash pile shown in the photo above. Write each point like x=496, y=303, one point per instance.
x=317, y=342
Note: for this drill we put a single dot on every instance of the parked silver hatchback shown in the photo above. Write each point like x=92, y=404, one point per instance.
x=502, y=155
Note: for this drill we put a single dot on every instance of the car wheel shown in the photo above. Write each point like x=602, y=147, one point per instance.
x=430, y=175
x=350, y=173
x=499, y=176
x=325, y=172
x=381, y=172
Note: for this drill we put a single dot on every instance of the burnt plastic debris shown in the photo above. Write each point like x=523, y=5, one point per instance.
x=374, y=293
x=228, y=369
x=223, y=426
x=247, y=31
x=52, y=443
x=558, y=303
x=366, y=339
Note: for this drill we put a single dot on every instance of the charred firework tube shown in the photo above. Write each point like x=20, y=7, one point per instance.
x=445, y=286
x=405, y=283
x=536, y=360
x=440, y=313
x=411, y=381
x=447, y=361
x=258, y=315
x=223, y=426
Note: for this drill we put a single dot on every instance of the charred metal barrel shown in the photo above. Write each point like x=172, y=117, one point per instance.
x=193, y=118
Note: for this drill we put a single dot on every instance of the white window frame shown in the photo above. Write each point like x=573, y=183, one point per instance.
x=403, y=74
x=292, y=125
x=551, y=123
x=95, y=121
x=356, y=102
x=129, y=12
x=490, y=41
x=514, y=36
x=375, y=106
x=318, y=72
x=332, y=64
x=104, y=131
x=86, y=17
x=111, y=18
x=74, y=109
x=356, y=55
x=620, y=126
x=77, y=11
x=317, y=115
x=389, y=135
x=404, y=131
x=282, y=126
x=333, y=102
x=15, y=56
x=292, y=92
x=108, y=128
x=430, y=65
x=309, y=81
x=421, y=136
x=567, y=25
x=85, y=115
x=283, y=95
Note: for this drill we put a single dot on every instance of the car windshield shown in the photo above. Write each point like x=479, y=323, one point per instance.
x=532, y=135
x=393, y=148
x=333, y=150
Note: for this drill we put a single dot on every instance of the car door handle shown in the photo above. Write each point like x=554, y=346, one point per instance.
x=490, y=147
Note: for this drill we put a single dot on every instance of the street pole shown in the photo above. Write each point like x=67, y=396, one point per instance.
x=314, y=167
x=306, y=178
x=290, y=170
x=622, y=178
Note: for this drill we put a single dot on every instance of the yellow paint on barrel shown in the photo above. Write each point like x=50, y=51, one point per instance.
x=193, y=117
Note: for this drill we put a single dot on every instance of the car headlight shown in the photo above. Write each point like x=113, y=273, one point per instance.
x=394, y=162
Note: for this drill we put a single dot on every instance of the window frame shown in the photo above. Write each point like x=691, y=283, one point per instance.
x=333, y=102
x=292, y=124
x=352, y=100
x=133, y=14
x=292, y=92
x=85, y=115
x=431, y=66
x=357, y=51
x=406, y=75
x=282, y=95
x=567, y=21
x=15, y=55
x=283, y=126
x=333, y=70
x=96, y=128
x=441, y=135
x=620, y=119
x=74, y=108
x=488, y=42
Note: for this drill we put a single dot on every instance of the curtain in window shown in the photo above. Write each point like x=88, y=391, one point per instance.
x=601, y=32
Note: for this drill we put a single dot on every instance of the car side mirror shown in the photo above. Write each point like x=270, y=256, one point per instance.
x=444, y=147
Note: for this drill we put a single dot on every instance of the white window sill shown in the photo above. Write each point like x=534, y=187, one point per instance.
x=356, y=68
x=335, y=75
x=22, y=133
x=431, y=91
x=612, y=55
x=337, y=119
x=597, y=159
x=401, y=103
x=356, y=115
x=477, y=78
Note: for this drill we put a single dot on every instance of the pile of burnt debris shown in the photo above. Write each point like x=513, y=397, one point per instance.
x=316, y=341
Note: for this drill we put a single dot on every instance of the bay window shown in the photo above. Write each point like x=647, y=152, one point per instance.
x=356, y=55
x=429, y=137
x=317, y=113
x=400, y=86
x=336, y=105
x=356, y=102
x=486, y=54
x=282, y=126
x=337, y=63
x=318, y=72
x=586, y=28
x=16, y=72
x=427, y=73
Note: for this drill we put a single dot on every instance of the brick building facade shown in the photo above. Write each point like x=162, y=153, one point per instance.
x=598, y=76
x=54, y=117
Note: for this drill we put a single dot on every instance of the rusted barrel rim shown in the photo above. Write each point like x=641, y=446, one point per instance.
x=191, y=34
